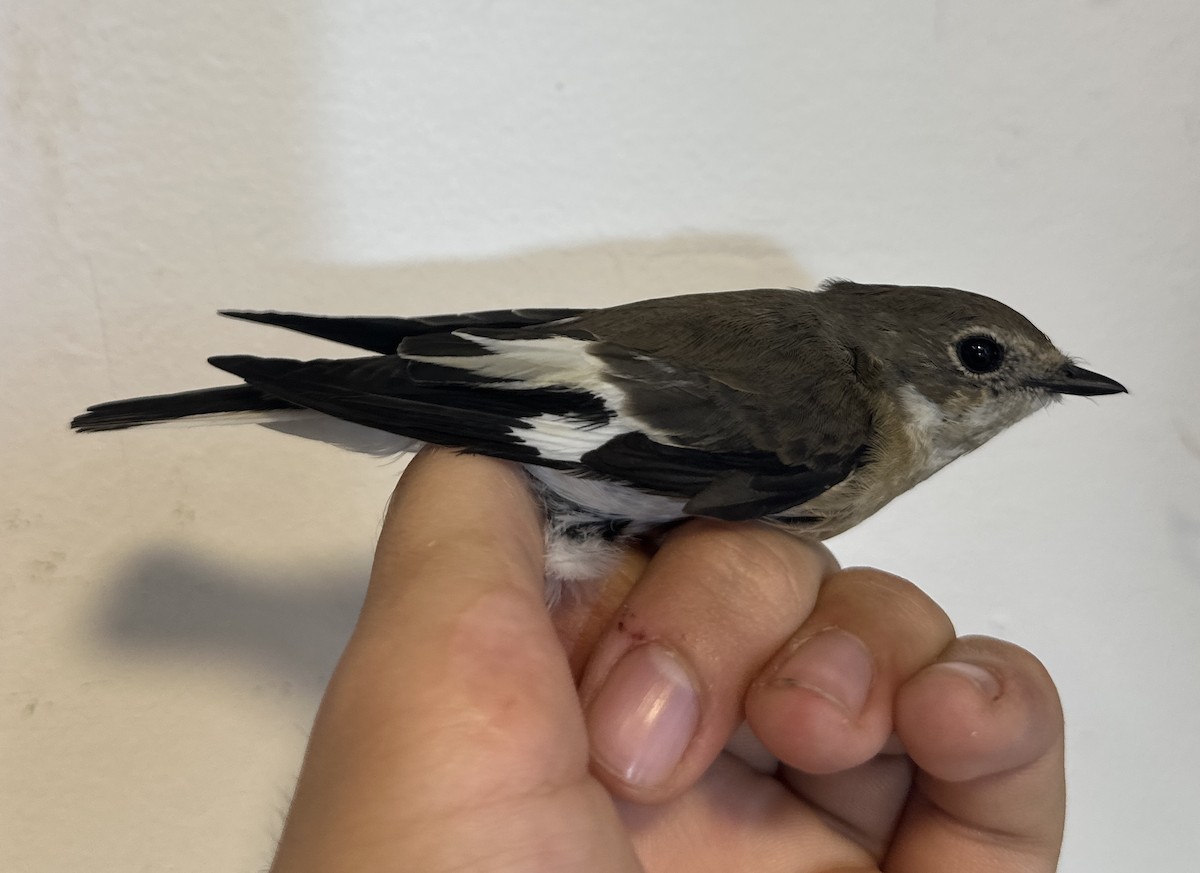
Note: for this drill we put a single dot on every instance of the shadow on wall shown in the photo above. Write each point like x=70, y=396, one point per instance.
x=185, y=605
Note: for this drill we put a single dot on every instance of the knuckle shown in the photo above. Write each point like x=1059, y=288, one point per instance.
x=905, y=604
x=751, y=568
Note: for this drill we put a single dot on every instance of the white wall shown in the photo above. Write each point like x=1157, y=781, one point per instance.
x=172, y=601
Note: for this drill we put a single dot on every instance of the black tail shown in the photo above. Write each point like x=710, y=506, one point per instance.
x=118, y=414
x=377, y=334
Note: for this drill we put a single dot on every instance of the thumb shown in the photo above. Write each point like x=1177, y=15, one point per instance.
x=454, y=624
x=452, y=708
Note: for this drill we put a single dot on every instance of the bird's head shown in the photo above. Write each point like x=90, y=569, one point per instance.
x=963, y=366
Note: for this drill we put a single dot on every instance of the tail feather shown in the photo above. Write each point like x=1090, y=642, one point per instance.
x=118, y=414
x=382, y=335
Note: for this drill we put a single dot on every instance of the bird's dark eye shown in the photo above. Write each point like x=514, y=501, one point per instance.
x=980, y=354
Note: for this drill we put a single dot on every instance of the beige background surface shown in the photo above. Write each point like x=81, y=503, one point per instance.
x=171, y=602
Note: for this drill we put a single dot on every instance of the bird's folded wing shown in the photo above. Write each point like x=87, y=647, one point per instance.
x=560, y=397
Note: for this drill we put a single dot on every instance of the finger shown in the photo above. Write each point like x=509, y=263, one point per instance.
x=736, y=819
x=448, y=516
x=824, y=705
x=663, y=689
x=582, y=618
x=453, y=694
x=984, y=726
x=454, y=621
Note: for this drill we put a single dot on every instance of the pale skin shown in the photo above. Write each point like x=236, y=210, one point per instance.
x=466, y=729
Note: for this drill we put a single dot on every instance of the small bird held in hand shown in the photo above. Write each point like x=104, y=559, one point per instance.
x=807, y=410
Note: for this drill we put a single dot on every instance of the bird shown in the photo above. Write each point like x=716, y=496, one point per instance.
x=805, y=410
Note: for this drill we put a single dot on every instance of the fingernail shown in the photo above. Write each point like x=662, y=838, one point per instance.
x=834, y=664
x=644, y=716
x=981, y=677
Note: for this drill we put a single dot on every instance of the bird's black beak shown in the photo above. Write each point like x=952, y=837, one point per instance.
x=1071, y=379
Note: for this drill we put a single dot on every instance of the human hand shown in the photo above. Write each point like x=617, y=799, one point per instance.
x=452, y=736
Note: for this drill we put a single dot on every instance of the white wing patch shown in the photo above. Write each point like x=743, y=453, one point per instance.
x=548, y=363
x=566, y=437
x=540, y=363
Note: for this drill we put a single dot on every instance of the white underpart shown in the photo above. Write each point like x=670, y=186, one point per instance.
x=572, y=560
x=571, y=564
x=610, y=499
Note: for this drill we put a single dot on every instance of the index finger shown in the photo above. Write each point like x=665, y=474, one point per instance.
x=664, y=687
